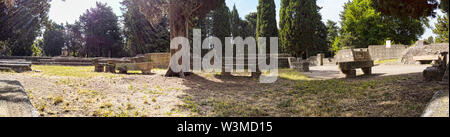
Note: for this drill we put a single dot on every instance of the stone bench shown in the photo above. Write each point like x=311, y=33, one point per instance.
x=425, y=59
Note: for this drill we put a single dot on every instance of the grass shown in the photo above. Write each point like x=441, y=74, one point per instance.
x=297, y=95
x=294, y=94
x=386, y=61
x=291, y=74
x=72, y=71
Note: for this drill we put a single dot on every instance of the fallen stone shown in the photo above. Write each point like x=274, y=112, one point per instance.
x=433, y=74
x=14, y=101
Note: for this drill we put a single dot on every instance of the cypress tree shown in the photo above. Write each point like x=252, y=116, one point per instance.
x=266, y=25
x=300, y=33
x=221, y=23
x=236, y=23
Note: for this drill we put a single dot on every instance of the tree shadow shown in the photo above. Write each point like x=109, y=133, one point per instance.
x=370, y=95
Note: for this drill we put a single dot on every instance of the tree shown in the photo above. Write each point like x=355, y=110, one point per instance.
x=102, y=32
x=444, y=5
x=266, y=25
x=180, y=13
x=74, y=40
x=250, y=24
x=141, y=36
x=441, y=29
x=236, y=23
x=333, y=32
x=37, y=47
x=416, y=9
x=20, y=23
x=320, y=34
x=54, y=40
x=430, y=40
x=221, y=23
x=366, y=26
x=301, y=33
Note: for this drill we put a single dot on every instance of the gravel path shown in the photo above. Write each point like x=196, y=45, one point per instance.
x=332, y=71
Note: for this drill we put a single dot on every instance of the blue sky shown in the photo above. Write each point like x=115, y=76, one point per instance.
x=69, y=11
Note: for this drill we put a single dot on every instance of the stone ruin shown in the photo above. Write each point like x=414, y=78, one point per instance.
x=299, y=65
x=438, y=71
x=16, y=65
x=351, y=59
x=423, y=54
x=139, y=63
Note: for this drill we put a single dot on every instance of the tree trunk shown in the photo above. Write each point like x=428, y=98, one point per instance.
x=177, y=29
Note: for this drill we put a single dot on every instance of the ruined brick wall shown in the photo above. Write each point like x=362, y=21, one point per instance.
x=381, y=52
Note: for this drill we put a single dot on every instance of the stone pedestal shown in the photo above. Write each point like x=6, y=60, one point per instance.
x=320, y=58
x=301, y=66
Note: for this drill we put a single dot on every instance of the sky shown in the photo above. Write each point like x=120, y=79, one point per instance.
x=71, y=10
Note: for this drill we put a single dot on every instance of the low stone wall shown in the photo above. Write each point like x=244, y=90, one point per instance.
x=381, y=52
x=159, y=60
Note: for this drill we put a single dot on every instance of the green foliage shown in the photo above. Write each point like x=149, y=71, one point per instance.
x=250, y=24
x=141, y=36
x=74, y=39
x=54, y=40
x=221, y=23
x=266, y=25
x=4, y=48
x=333, y=33
x=102, y=32
x=20, y=24
x=444, y=5
x=37, y=47
x=429, y=40
x=302, y=34
x=236, y=23
x=363, y=25
x=441, y=29
x=416, y=9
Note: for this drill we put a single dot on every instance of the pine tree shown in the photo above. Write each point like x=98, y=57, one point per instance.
x=266, y=25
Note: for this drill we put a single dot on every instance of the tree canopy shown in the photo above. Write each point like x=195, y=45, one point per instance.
x=302, y=34
x=20, y=24
x=102, y=32
x=141, y=36
x=363, y=25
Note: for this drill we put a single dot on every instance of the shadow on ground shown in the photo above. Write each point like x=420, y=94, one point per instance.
x=403, y=95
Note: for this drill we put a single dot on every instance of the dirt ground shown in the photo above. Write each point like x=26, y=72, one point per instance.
x=77, y=91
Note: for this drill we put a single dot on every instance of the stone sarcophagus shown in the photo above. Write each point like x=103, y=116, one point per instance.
x=351, y=59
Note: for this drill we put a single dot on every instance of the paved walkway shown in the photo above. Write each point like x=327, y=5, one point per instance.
x=332, y=71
